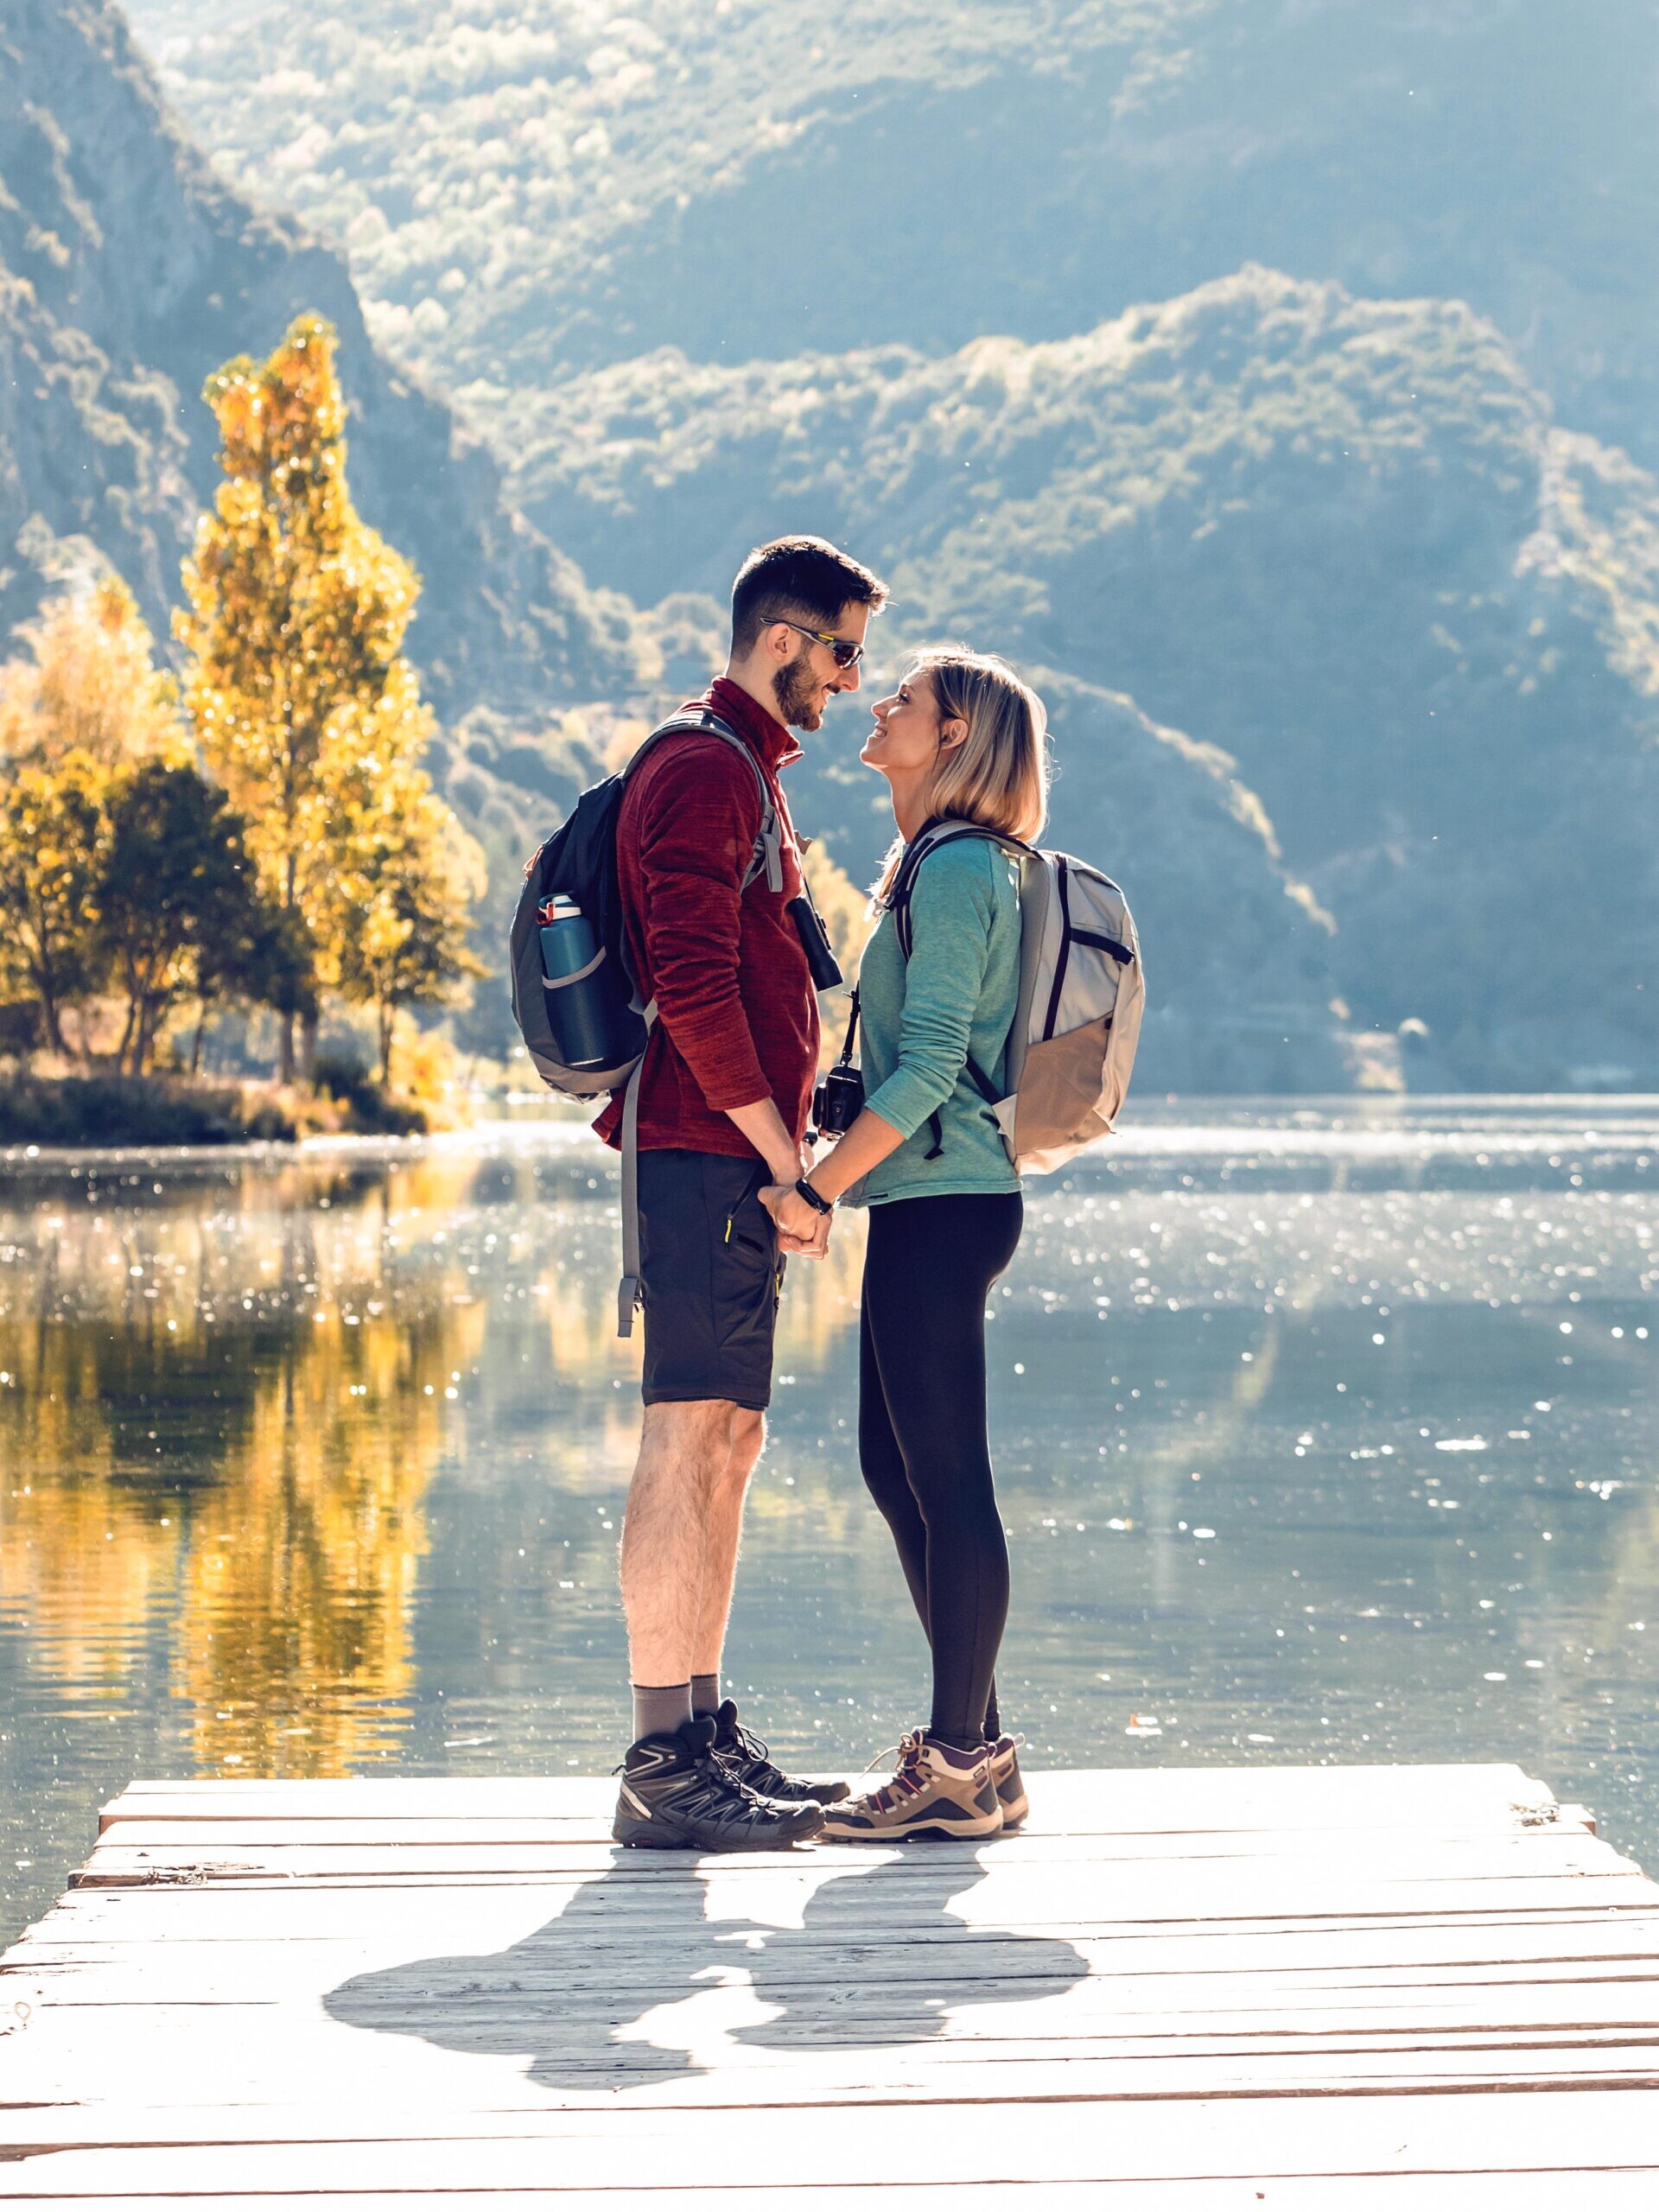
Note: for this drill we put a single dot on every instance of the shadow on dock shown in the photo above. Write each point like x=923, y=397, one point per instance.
x=634, y=1983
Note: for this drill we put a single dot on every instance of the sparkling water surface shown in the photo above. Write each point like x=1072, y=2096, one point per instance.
x=1325, y=1431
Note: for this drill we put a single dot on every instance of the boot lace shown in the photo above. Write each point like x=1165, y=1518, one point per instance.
x=743, y=1745
x=907, y=1780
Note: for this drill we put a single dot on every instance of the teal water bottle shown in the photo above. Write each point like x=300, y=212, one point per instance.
x=579, y=994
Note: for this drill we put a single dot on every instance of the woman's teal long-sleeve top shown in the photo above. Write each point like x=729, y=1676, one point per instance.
x=921, y=1021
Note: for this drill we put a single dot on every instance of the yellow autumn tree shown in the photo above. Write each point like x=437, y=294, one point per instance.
x=81, y=708
x=405, y=879
x=88, y=684
x=295, y=628
x=846, y=911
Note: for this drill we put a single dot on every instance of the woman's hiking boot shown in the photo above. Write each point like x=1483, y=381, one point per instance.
x=678, y=1795
x=937, y=1791
x=745, y=1757
x=1010, y=1784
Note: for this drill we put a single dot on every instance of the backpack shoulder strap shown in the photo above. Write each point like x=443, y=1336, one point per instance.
x=768, y=852
x=628, y=1290
x=942, y=830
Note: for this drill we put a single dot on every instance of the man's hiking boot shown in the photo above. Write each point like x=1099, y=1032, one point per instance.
x=1010, y=1784
x=937, y=1792
x=676, y=1796
x=745, y=1758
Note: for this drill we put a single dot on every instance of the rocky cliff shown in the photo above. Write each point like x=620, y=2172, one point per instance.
x=129, y=271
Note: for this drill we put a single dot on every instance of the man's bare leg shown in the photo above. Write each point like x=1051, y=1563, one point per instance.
x=685, y=1453
x=725, y=1525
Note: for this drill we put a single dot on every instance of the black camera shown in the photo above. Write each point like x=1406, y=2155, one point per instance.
x=838, y=1101
x=822, y=964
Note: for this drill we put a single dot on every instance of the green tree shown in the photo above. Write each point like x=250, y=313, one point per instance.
x=180, y=916
x=296, y=617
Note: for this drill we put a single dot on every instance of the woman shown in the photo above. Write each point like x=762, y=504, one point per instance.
x=962, y=737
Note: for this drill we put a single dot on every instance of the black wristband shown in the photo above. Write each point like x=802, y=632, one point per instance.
x=815, y=1200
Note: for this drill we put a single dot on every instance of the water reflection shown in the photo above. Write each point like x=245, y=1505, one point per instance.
x=1309, y=1447
x=222, y=1395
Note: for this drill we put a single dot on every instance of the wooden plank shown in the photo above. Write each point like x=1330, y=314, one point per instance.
x=188, y=1912
x=1123, y=1801
x=520, y=2064
x=1514, y=1956
x=582, y=1849
x=484, y=1918
x=359, y=1850
x=458, y=2002
x=1623, y=2191
x=1567, y=2132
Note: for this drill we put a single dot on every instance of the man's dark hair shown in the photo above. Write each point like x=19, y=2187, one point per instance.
x=804, y=578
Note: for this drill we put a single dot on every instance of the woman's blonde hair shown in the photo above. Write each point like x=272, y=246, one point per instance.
x=998, y=775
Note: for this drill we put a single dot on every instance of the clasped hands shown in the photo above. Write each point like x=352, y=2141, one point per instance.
x=801, y=1228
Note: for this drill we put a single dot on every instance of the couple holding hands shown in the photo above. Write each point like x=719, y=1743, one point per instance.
x=727, y=1188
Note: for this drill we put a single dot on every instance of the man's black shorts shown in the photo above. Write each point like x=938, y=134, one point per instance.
x=711, y=1275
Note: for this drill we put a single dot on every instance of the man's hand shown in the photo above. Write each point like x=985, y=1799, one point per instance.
x=801, y=1228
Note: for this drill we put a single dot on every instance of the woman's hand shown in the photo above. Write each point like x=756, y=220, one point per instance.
x=801, y=1227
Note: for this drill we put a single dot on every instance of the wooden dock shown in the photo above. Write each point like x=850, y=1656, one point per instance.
x=1320, y=1988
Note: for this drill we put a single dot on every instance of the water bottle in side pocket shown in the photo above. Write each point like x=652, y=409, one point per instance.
x=579, y=992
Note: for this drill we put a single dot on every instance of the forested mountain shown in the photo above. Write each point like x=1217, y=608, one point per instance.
x=1278, y=363
x=1342, y=539
x=526, y=186
x=129, y=271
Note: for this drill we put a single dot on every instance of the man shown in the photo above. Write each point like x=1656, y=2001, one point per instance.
x=724, y=1097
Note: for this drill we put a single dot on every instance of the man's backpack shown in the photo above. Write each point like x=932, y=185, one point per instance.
x=1082, y=993
x=578, y=863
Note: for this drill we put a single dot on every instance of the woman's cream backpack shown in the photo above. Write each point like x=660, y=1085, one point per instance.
x=1082, y=993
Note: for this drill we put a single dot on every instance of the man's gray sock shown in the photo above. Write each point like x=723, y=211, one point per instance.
x=705, y=1696
x=660, y=1712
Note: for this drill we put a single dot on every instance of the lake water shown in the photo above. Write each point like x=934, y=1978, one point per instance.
x=1324, y=1433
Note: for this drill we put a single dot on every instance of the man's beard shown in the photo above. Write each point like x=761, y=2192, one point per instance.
x=797, y=690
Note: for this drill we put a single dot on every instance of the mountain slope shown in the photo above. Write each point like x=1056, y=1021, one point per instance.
x=1341, y=538
x=527, y=186
x=127, y=272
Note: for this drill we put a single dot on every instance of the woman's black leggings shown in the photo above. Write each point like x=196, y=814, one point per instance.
x=921, y=1431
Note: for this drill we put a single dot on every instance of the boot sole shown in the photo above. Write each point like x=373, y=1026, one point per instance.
x=924, y=1831
x=1013, y=1816
x=643, y=1835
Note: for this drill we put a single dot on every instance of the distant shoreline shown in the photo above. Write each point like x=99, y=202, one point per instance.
x=97, y=1112
x=1199, y=1128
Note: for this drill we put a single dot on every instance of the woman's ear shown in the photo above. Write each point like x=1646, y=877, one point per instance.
x=952, y=734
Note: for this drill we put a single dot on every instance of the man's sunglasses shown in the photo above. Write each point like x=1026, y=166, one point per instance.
x=848, y=651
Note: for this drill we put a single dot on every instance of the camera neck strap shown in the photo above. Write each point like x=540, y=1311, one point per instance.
x=849, y=1043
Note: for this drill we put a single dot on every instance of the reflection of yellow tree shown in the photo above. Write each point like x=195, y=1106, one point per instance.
x=292, y=1571
x=295, y=1633
x=85, y=1558
x=820, y=1304
x=821, y=1296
